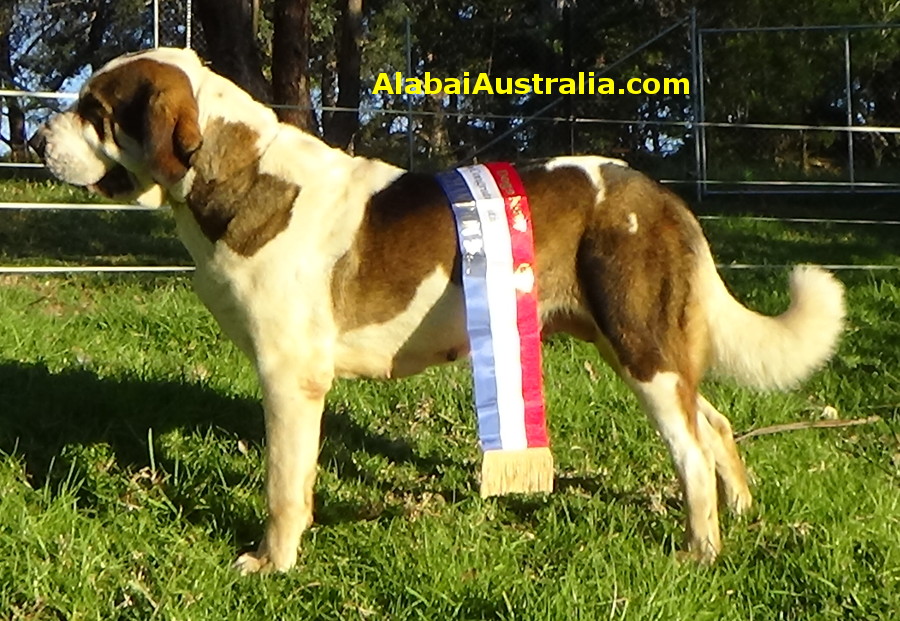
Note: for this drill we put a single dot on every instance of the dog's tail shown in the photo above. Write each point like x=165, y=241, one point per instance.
x=773, y=352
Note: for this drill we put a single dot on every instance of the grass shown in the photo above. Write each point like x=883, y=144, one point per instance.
x=131, y=473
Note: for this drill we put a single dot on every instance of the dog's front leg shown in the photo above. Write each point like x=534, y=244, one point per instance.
x=293, y=398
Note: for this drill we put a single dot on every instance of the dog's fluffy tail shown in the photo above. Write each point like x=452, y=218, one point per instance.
x=773, y=352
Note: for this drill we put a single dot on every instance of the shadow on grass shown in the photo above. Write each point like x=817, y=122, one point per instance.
x=33, y=236
x=45, y=412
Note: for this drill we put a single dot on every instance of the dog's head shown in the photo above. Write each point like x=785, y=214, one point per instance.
x=159, y=127
x=134, y=129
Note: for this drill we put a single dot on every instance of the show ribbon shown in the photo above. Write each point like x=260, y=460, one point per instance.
x=496, y=242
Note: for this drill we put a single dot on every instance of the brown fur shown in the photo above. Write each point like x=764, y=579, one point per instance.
x=117, y=182
x=153, y=103
x=587, y=262
x=407, y=232
x=637, y=284
x=561, y=202
x=230, y=199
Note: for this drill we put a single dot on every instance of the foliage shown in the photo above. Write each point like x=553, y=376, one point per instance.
x=56, y=41
x=754, y=78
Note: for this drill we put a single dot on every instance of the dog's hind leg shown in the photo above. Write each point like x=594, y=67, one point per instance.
x=638, y=285
x=664, y=397
x=731, y=474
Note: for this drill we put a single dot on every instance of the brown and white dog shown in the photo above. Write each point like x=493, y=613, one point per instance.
x=322, y=265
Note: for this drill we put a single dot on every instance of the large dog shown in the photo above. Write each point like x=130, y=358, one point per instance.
x=322, y=265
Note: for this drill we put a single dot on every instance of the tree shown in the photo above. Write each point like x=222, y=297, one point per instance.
x=228, y=28
x=291, y=84
x=345, y=124
x=303, y=53
x=15, y=116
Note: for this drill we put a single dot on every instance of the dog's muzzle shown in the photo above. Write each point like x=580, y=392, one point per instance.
x=62, y=145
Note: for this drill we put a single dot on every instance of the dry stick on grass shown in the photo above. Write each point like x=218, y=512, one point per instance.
x=810, y=424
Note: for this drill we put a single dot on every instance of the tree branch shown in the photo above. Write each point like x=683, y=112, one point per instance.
x=810, y=424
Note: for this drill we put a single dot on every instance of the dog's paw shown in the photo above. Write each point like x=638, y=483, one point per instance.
x=253, y=563
x=699, y=553
x=740, y=502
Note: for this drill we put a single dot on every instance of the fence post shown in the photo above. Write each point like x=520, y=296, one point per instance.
x=695, y=104
x=570, y=71
x=701, y=105
x=155, y=23
x=409, y=117
x=188, y=23
x=849, y=95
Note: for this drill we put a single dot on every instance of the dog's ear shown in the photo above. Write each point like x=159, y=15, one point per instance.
x=153, y=103
x=171, y=132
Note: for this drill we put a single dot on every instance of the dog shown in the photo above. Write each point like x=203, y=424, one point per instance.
x=318, y=265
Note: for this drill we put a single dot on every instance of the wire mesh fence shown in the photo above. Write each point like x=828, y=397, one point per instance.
x=837, y=127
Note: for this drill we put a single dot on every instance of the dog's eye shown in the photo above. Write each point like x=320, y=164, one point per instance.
x=91, y=111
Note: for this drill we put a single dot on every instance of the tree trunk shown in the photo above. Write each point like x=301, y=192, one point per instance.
x=345, y=124
x=6, y=20
x=435, y=131
x=327, y=84
x=231, y=43
x=17, y=140
x=290, y=63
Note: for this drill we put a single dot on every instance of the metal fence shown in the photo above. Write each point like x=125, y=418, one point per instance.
x=688, y=139
x=834, y=70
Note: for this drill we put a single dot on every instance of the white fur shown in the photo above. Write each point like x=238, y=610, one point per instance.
x=590, y=164
x=632, y=223
x=152, y=196
x=773, y=352
x=432, y=324
x=70, y=156
x=694, y=462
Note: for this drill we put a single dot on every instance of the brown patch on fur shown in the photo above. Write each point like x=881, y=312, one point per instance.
x=154, y=104
x=687, y=397
x=407, y=232
x=593, y=271
x=561, y=202
x=571, y=323
x=638, y=283
x=230, y=199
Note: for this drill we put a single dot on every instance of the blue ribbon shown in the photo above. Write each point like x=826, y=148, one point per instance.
x=478, y=318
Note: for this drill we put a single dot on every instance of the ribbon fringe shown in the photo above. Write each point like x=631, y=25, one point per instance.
x=521, y=471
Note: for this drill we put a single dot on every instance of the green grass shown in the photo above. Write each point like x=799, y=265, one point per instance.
x=85, y=237
x=131, y=473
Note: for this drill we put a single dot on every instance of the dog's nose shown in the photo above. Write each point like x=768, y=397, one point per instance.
x=38, y=142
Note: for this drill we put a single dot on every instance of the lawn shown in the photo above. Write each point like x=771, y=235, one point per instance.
x=131, y=473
